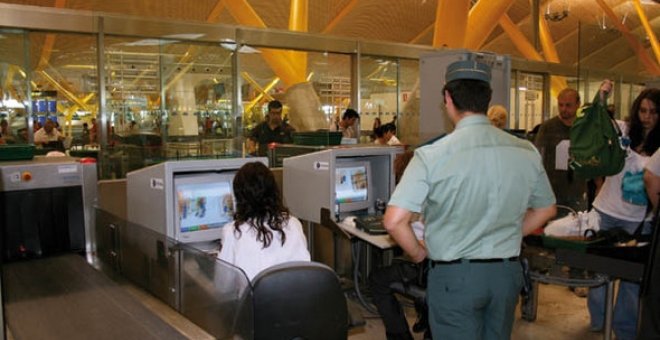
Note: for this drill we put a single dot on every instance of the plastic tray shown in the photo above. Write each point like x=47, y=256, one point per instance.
x=317, y=138
x=16, y=152
x=579, y=244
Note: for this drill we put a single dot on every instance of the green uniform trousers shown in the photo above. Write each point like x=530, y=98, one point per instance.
x=473, y=300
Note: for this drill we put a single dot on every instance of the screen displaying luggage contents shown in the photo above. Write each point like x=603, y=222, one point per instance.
x=351, y=184
x=203, y=206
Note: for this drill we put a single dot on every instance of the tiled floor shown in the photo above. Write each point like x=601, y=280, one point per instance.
x=560, y=315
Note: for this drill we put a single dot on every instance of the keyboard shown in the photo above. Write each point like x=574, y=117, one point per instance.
x=372, y=224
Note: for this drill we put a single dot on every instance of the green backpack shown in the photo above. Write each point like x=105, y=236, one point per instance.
x=596, y=148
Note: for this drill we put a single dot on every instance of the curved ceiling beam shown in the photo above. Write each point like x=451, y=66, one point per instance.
x=518, y=38
x=277, y=59
x=344, y=11
x=613, y=43
x=550, y=52
x=650, y=65
x=214, y=15
x=451, y=19
x=298, y=15
x=527, y=49
x=547, y=44
x=483, y=19
x=422, y=34
x=298, y=22
x=647, y=28
x=49, y=42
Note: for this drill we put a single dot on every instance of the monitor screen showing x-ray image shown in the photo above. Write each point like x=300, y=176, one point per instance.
x=204, y=206
x=353, y=185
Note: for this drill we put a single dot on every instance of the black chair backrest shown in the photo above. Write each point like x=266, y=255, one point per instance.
x=299, y=300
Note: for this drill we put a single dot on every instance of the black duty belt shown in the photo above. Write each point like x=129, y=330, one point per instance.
x=440, y=263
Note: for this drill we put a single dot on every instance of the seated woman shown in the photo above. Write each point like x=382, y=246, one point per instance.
x=263, y=233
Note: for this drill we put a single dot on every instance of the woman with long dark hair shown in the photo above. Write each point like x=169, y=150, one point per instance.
x=263, y=232
x=622, y=203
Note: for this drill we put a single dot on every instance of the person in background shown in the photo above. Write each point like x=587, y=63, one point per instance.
x=497, y=116
x=93, y=132
x=22, y=137
x=133, y=128
x=375, y=128
x=263, y=233
x=272, y=130
x=347, y=124
x=386, y=135
x=622, y=203
x=404, y=271
x=5, y=131
x=85, y=134
x=472, y=235
x=47, y=134
x=552, y=141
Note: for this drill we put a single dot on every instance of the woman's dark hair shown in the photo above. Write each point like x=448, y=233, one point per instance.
x=378, y=132
x=469, y=95
x=350, y=113
x=389, y=127
x=258, y=202
x=651, y=142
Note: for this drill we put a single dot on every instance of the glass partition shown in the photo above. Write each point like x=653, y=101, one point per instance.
x=527, y=98
x=197, y=83
x=213, y=294
x=389, y=93
x=314, y=92
x=63, y=84
x=133, y=105
x=13, y=87
x=408, y=118
x=379, y=79
x=167, y=99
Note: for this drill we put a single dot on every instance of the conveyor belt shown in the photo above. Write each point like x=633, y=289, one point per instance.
x=64, y=298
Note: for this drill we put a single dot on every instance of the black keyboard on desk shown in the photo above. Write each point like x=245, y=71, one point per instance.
x=372, y=224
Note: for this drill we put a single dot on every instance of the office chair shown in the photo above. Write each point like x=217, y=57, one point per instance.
x=299, y=300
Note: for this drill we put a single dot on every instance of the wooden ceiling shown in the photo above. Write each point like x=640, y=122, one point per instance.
x=586, y=35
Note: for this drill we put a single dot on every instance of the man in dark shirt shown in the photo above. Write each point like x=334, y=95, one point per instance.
x=552, y=141
x=274, y=129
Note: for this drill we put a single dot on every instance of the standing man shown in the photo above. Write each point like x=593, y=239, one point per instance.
x=273, y=129
x=48, y=133
x=347, y=124
x=93, y=132
x=552, y=141
x=480, y=190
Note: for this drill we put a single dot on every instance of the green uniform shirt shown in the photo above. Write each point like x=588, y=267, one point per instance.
x=473, y=188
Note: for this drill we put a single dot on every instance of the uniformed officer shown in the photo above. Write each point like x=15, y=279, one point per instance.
x=480, y=190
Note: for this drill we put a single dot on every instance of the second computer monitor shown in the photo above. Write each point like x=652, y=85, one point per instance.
x=353, y=185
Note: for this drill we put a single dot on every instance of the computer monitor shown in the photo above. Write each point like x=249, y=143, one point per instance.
x=353, y=185
x=204, y=203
